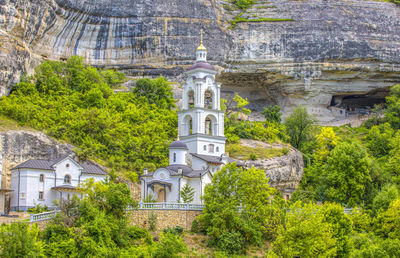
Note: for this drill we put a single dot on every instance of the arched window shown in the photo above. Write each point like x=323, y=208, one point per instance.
x=205, y=147
x=188, y=125
x=174, y=157
x=208, y=126
x=208, y=99
x=67, y=179
x=211, y=148
x=41, y=178
x=190, y=99
x=211, y=126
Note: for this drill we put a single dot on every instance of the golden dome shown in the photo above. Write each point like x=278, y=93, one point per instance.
x=201, y=47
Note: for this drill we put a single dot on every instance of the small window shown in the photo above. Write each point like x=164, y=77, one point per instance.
x=41, y=178
x=67, y=179
x=204, y=147
x=211, y=148
x=174, y=157
x=217, y=149
x=41, y=196
x=67, y=165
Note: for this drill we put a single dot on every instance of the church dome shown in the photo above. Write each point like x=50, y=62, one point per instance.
x=178, y=145
x=201, y=47
x=202, y=65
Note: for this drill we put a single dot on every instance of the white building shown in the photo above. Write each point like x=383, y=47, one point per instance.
x=43, y=181
x=201, y=151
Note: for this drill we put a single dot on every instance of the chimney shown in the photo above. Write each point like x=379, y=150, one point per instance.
x=145, y=171
x=180, y=171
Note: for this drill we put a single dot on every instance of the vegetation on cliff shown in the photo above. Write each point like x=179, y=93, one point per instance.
x=76, y=103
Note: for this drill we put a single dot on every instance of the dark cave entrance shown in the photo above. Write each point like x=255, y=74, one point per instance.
x=356, y=104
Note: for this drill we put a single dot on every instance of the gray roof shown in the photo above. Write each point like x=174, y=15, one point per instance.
x=186, y=171
x=178, y=145
x=42, y=164
x=208, y=158
x=202, y=65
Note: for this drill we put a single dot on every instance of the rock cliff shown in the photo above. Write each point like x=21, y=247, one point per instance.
x=331, y=49
x=18, y=146
x=284, y=172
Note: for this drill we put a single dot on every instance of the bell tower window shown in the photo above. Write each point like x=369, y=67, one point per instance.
x=208, y=99
x=191, y=99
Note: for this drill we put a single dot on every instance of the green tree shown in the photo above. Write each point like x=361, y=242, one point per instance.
x=235, y=204
x=387, y=221
x=383, y=199
x=305, y=233
x=157, y=91
x=345, y=177
x=392, y=113
x=272, y=114
x=187, y=194
x=378, y=139
x=20, y=240
x=299, y=125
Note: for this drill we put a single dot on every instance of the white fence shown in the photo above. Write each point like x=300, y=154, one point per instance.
x=141, y=206
x=42, y=216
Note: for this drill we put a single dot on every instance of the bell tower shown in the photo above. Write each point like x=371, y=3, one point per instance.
x=201, y=122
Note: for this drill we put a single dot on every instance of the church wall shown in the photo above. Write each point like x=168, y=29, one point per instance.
x=196, y=185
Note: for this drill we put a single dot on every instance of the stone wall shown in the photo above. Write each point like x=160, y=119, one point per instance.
x=165, y=218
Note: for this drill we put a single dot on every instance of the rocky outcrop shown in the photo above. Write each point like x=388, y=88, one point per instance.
x=330, y=48
x=18, y=146
x=284, y=172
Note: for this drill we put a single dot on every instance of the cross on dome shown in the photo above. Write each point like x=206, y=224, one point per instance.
x=201, y=51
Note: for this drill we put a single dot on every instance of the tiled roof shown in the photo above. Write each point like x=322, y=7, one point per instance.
x=208, y=158
x=186, y=171
x=88, y=166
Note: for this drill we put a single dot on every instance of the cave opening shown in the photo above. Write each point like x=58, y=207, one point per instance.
x=356, y=104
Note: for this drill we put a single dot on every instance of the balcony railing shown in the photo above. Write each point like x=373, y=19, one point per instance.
x=43, y=216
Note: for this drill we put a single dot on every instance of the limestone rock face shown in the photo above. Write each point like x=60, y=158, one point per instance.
x=284, y=172
x=18, y=146
x=330, y=48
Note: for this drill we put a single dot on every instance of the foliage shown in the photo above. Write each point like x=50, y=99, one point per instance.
x=345, y=177
x=326, y=141
x=125, y=130
x=298, y=126
x=305, y=233
x=387, y=221
x=20, y=240
x=178, y=230
x=187, y=194
x=170, y=246
x=392, y=113
x=384, y=197
x=156, y=91
x=229, y=227
x=153, y=221
x=38, y=209
x=150, y=198
x=378, y=139
x=99, y=227
x=272, y=114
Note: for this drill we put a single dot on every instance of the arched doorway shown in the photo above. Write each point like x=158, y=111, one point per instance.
x=161, y=195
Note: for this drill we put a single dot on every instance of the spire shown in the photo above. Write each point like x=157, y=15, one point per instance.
x=201, y=47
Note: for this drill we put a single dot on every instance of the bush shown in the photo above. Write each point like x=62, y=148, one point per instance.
x=152, y=221
x=195, y=226
x=169, y=246
x=19, y=240
x=178, y=230
x=38, y=209
x=253, y=156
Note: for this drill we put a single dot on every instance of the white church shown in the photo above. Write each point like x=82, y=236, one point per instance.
x=200, y=150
